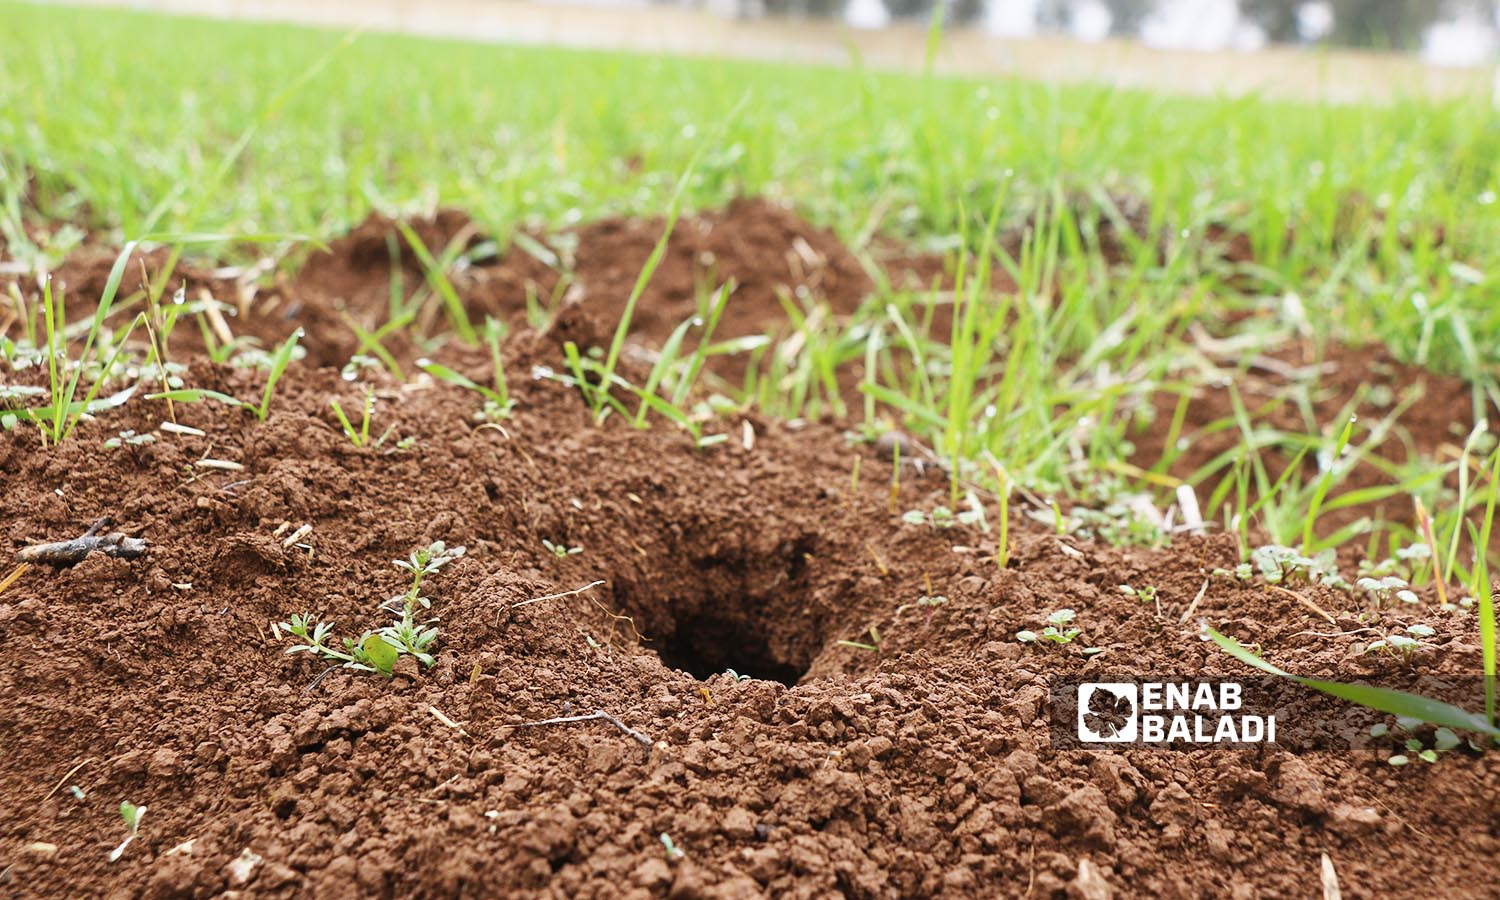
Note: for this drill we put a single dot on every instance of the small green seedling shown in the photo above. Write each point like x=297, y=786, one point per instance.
x=406, y=635
x=1444, y=739
x=497, y=402
x=943, y=517
x=378, y=651
x=1388, y=588
x=1056, y=631
x=674, y=852
x=872, y=647
x=315, y=637
x=561, y=551
x=360, y=437
x=277, y=364
x=1280, y=564
x=132, y=815
x=1403, y=644
x=1145, y=595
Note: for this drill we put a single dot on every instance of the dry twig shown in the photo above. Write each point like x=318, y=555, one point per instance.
x=70, y=553
x=598, y=714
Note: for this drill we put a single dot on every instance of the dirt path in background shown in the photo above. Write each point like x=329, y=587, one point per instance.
x=924, y=768
x=1338, y=75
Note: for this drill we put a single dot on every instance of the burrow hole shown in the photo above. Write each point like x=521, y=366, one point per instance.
x=746, y=615
x=712, y=642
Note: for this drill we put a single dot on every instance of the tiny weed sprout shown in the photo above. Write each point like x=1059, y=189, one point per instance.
x=561, y=551
x=405, y=634
x=1427, y=749
x=1056, y=630
x=497, y=402
x=1145, y=595
x=1279, y=564
x=360, y=436
x=1242, y=572
x=378, y=651
x=1388, y=588
x=276, y=364
x=872, y=647
x=674, y=852
x=132, y=815
x=943, y=517
x=1400, y=644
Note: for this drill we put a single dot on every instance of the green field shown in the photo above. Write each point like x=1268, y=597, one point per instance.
x=1366, y=224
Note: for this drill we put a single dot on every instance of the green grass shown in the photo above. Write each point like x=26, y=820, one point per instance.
x=1367, y=224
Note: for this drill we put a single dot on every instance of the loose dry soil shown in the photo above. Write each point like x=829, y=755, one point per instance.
x=923, y=769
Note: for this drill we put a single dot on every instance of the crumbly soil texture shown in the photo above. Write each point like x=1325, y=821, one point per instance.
x=822, y=700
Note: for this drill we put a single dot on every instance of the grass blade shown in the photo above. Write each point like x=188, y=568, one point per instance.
x=1398, y=703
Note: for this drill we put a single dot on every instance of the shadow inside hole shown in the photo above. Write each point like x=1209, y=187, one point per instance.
x=704, y=645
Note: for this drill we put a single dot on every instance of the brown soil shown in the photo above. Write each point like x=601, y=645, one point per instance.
x=925, y=768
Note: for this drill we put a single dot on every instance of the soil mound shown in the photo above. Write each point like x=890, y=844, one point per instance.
x=764, y=248
x=922, y=768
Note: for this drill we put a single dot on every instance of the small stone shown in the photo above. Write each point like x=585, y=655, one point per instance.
x=164, y=763
x=132, y=763
x=1022, y=762
x=1090, y=883
x=739, y=824
x=41, y=849
x=653, y=873
x=1173, y=806
x=1004, y=650
x=1085, y=813
x=1350, y=821
x=277, y=875
x=604, y=758
x=370, y=875
x=691, y=882
x=959, y=879
x=242, y=868
x=1298, y=787
x=1118, y=779
x=406, y=667
x=1217, y=840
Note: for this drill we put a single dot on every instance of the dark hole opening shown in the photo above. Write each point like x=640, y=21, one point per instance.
x=705, y=644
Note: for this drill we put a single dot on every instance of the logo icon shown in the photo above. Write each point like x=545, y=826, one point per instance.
x=1107, y=713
